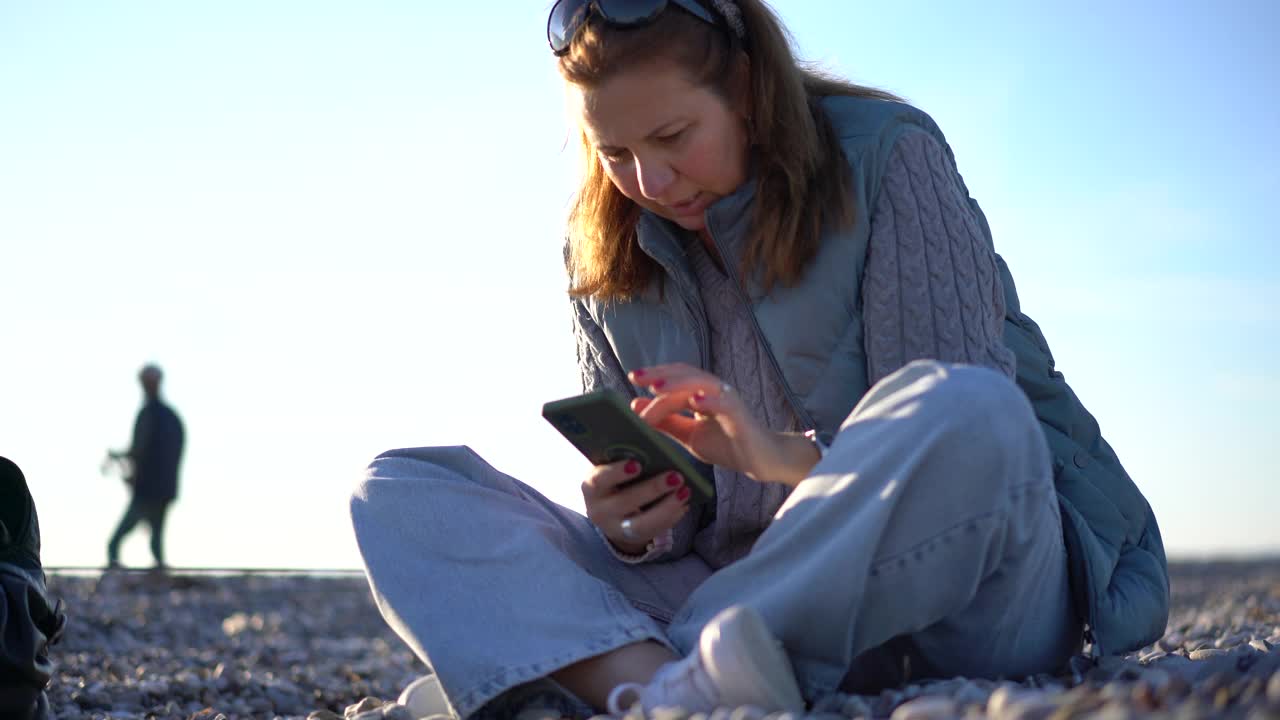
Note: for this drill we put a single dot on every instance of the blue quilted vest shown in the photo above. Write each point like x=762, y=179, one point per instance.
x=1119, y=575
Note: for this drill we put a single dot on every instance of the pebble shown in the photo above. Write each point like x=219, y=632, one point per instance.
x=248, y=647
x=294, y=648
x=366, y=705
x=926, y=708
x=1010, y=701
x=1232, y=640
x=1206, y=653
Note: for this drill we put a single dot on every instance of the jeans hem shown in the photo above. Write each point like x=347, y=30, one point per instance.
x=507, y=678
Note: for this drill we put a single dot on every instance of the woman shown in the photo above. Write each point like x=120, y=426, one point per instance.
x=786, y=272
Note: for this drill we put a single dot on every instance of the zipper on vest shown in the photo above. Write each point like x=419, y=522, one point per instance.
x=697, y=313
x=699, y=316
x=692, y=303
x=805, y=418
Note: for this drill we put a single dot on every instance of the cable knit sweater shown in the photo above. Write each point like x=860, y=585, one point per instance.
x=931, y=290
x=738, y=358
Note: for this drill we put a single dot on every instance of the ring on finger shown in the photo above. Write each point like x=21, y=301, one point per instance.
x=628, y=529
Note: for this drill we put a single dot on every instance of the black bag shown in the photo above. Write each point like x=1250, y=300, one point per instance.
x=29, y=623
x=28, y=626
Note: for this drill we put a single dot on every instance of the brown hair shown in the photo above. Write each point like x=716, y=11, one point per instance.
x=802, y=179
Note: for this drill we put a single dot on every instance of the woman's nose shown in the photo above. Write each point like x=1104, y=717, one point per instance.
x=654, y=177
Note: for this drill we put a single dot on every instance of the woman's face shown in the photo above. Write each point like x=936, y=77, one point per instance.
x=669, y=145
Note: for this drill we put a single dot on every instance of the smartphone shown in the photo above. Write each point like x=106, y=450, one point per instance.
x=603, y=427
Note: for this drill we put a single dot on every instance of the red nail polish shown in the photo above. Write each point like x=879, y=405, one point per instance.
x=631, y=468
x=673, y=479
x=682, y=494
x=638, y=373
x=699, y=397
x=657, y=384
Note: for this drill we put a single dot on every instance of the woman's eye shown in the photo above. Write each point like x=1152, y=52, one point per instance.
x=671, y=137
x=613, y=156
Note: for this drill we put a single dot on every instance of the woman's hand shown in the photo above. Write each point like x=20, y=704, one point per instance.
x=631, y=511
x=722, y=431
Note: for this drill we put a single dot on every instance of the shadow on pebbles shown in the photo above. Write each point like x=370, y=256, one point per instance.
x=144, y=646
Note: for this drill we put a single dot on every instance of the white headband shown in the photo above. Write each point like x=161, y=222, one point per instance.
x=732, y=16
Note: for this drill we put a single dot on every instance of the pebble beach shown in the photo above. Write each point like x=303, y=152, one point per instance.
x=209, y=647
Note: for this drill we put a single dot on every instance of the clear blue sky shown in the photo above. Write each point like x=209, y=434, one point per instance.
x=338, y=225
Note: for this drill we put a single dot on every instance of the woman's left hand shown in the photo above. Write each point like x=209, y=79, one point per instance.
x=722, y=430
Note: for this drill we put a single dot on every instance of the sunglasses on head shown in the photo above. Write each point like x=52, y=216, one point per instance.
x=567, y=16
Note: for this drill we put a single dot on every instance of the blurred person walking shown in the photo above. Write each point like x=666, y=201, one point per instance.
x=152, y=461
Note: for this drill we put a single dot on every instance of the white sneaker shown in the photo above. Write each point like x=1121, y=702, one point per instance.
x=737, y=662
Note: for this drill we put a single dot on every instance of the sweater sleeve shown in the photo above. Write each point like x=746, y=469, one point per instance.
x=931, y=287
x=600, y=369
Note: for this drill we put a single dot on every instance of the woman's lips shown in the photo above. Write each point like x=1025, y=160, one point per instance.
x=688, y=207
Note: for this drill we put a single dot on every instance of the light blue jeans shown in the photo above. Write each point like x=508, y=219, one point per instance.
x=931, y=527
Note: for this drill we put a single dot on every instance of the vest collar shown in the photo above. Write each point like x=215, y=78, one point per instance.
x=728, y=220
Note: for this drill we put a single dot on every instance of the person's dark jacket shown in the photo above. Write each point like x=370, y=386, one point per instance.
x=156, y=452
